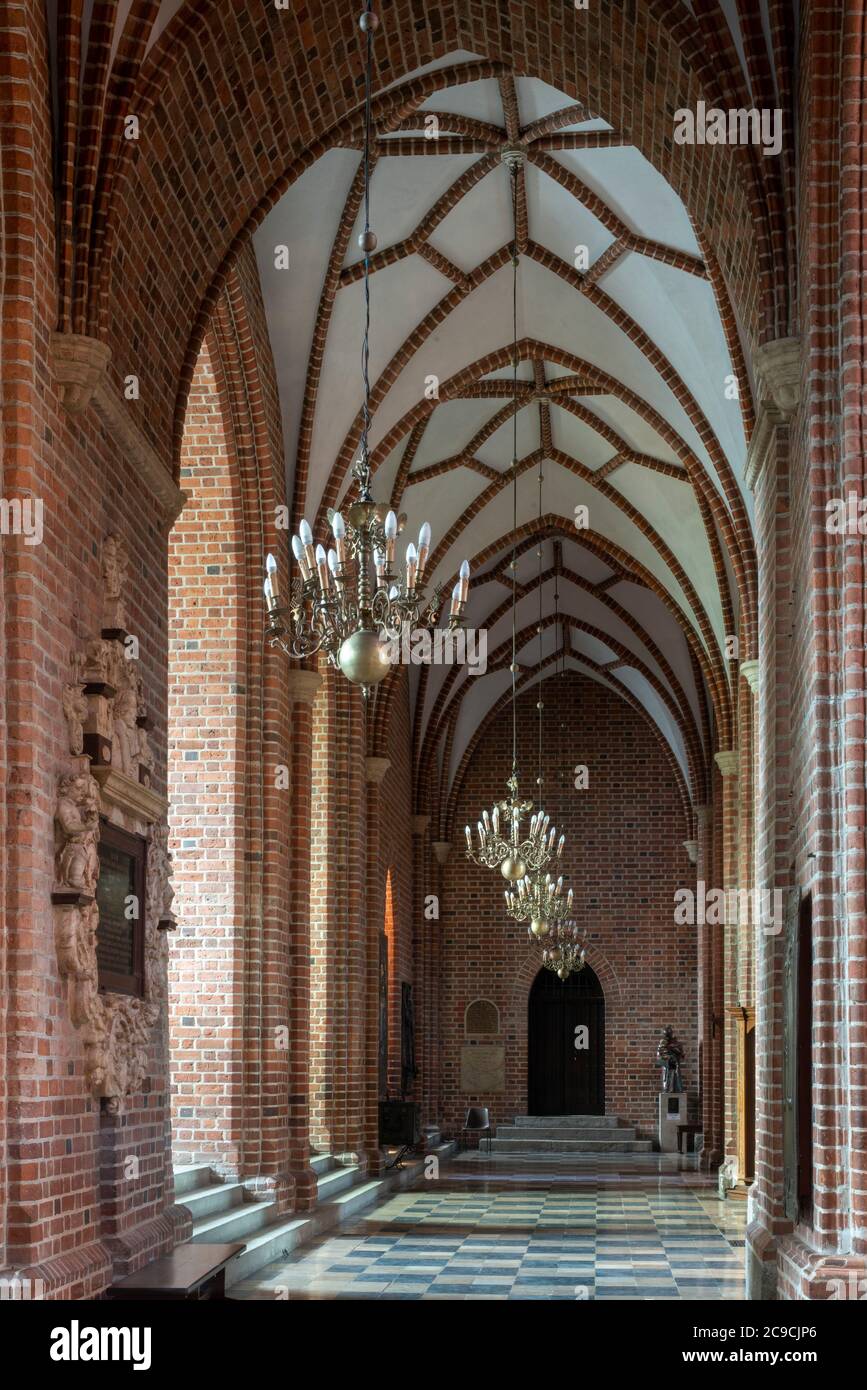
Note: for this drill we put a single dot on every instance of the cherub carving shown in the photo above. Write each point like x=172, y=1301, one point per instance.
x=77, y=825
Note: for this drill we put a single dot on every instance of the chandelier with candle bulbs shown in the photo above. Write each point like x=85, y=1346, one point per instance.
x=501, y=841
x=565, y=954
x=539, y=899
x=351, y=601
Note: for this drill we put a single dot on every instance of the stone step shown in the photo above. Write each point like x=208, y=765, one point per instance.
x=338, y=1209
x=563, y=1132
x=540, y=1147
x=214, y=1198
x=236, y=1224
x=275, y=1241
x=193, y=1175
x=337, y=1180
x=570, y=1121
x=322, y=1163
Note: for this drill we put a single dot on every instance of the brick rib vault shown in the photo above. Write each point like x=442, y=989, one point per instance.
x=172, y=380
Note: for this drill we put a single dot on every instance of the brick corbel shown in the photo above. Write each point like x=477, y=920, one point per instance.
x=442, y=849
x=750, y=673
x=80, y=367
x=376, y=768
x=727, y=762
x=778, y=369
x=302, y=685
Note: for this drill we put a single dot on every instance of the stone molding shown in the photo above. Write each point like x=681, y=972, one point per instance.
x=376, y=768
x=750, y=673
x=727, y=761
x=419, y=824
x=691, y=847
x=80, y=367
x=778, y=371
x=442, y=849
x=302, y=685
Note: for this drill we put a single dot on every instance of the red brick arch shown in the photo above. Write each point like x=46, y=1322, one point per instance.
x=236, y=101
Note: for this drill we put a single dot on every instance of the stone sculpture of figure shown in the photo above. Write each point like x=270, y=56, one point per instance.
x=669, y=1056
x=77, y=823
x=114, y=567
x=125, y=733
x=75, y=710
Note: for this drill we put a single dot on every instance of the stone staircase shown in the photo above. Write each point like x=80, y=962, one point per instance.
x=226, y=1211
x=568, y=1134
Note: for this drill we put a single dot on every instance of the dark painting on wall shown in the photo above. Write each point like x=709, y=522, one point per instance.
x=408, y=1067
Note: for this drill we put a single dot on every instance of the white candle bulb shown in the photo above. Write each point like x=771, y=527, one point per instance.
x=390, y=534
x=560, y=843
x=333, y=562
x=300, y=555
x=322, y=568
x=469, y=835
x=271, y=567
x=464, y=580
x=307, y=541
x=338, y=527
x=411, y=564
x=423, y=548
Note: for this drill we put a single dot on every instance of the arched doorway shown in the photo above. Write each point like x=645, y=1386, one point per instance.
x=564, y=1078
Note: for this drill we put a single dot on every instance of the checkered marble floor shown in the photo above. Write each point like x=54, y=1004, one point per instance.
x=493, y=1229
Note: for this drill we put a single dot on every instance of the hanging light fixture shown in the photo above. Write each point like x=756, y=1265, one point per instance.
x=501, y=842
x=566, y=952
x=538, y=899
x=351, y=600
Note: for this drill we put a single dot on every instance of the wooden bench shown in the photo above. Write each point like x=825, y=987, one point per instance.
x=190, y=1272
x=684, y=1131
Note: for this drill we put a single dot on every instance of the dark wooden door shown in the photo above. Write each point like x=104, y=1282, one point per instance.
x=563, y=1079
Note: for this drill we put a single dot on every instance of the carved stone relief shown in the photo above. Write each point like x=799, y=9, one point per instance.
x=106, y=723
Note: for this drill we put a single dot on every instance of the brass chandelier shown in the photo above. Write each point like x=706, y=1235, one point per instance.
x=566, y=953
x=501, y=842
x=351, y=601
x=539, y=899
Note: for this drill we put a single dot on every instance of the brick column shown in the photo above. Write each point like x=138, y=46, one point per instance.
x=709, y=1009
x=422, y=938
x=302, y=689
x=442, y=849
x=375, y=770
x=728, y=763
x=769, y=678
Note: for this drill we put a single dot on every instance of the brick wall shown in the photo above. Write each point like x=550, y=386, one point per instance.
x=624, y=857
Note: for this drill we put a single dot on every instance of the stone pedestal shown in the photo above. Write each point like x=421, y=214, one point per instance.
x=674, y=1109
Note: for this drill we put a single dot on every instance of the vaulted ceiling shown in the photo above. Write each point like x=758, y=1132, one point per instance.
x=628, y=359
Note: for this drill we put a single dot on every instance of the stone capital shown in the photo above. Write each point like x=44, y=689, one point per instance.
x=302, y=685
x=727, y=762
x=419, y=824
x=442, y=849
x=750, y=673
x=778, y=391
x=376, y=768
x=79, y=364
x=691, y=847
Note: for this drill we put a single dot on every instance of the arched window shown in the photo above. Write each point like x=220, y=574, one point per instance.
x=482, y=1019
